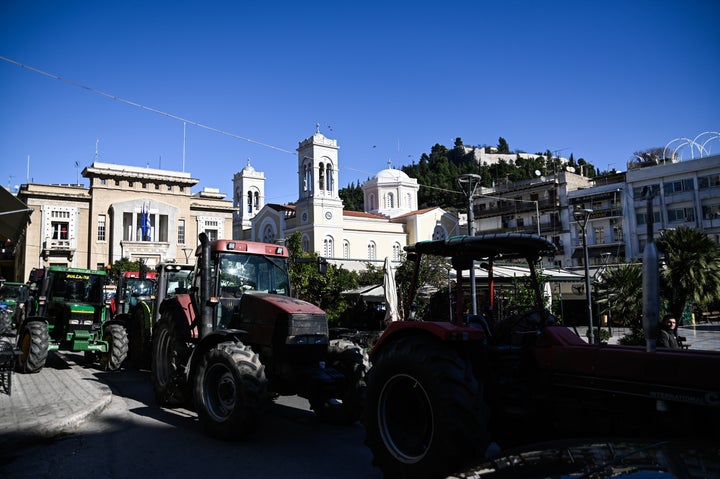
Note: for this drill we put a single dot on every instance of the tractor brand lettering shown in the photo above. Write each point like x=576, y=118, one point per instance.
x=78, y=276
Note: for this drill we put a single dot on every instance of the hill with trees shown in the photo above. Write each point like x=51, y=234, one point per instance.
x=438, y=171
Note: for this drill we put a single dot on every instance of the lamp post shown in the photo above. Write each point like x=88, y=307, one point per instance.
x=582, y=216
x=186, y=251
x=468, y=183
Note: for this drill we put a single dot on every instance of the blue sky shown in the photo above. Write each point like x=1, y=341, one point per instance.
x=388, y=80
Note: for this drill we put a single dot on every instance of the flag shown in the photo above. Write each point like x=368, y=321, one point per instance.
x=145, y=224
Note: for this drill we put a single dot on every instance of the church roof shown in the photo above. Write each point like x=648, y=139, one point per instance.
x=361, y=214
x=417, y=212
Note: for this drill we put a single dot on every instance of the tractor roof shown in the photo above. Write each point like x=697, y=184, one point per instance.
x=502, y=245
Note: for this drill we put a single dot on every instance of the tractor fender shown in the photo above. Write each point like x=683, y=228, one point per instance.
x=121, y=318
x=181, y=306
x=456, y=335
x=207, y=343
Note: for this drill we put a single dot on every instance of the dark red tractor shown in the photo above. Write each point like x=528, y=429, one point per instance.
x=442, y=394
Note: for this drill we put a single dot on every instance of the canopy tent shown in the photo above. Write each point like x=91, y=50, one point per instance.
x=14, y=216
x=509, y=272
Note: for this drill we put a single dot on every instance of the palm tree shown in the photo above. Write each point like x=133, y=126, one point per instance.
x=620, y=290
x=691, y=272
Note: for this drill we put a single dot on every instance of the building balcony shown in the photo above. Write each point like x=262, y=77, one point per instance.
x=58, y=247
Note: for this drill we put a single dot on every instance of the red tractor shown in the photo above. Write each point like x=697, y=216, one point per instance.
x=441, y=394
x=236, y=338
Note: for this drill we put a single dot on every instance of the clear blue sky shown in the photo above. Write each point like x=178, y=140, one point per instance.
x=388, y=80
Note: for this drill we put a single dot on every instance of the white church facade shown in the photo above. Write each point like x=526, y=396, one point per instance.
x=350, y=239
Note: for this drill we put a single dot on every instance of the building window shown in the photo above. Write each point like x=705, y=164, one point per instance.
x=101, y=228
x=705, y=182
x=330, y=180
x=328, y=248
x=396, y=252
x=681, y=215
x=60, y=230
x=599, y=235
x=181, y=232
x=372, y=250
x=389, y=200
x=131, y=184
x=249, y=202
x=321, y=177
x=256, y=201
x=305, y=244
x=346, y=249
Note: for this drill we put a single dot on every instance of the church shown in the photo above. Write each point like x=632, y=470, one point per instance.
x=351, y=239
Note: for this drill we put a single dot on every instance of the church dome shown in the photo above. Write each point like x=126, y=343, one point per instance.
x=391, y=174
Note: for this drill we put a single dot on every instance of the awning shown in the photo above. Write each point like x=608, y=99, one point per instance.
x=14, y=216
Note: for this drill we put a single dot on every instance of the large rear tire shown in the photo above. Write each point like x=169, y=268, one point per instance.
x=33, y=342
x=425, y=416
x=230, y=391
x=117, y=339
x=351, y=361
x=170, y=354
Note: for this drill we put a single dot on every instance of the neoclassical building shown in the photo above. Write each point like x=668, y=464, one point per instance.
x=390, y=219
x=127, y=212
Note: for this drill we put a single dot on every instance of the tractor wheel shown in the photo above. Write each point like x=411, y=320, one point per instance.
x=170, y=354
x=33, y=342
x=117, y=339
x=351, y=361
x=424, y=416
x=139, y=337
x=230, y=390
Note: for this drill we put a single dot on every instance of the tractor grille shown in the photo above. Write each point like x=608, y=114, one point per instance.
x=304, y=328
x=81, y=320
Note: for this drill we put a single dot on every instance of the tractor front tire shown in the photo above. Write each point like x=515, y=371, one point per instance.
x=117, y=339
x=230, y=391
x=349, y=359
x=170, y=354
x=33, y=342
x=425, y=416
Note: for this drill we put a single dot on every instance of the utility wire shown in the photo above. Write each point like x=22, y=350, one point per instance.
x=142, y=107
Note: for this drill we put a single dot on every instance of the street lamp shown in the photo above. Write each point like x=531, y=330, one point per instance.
x=468, y=183
x=582, y=216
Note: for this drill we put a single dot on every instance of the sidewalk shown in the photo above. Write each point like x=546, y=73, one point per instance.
x=49, y=403
x=703, y=336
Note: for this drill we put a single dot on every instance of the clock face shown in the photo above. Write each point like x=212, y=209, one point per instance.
x=304, y=216
x=328, y=215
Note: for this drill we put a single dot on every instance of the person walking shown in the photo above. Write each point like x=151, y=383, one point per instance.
x=667, y=336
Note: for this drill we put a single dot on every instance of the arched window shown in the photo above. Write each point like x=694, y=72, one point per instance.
x=257, y=201
x=330, y=179
x=249, y=202
x=396, y=252
x=305, y=243
x=408, y=199
x=371, y=201
x=372, y=250
x=389, y=200
x=328, y=248
x=321, y=176
x=439, y=232
x=346, y=249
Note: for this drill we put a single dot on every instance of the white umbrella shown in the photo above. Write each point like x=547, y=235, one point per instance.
x=391, y=299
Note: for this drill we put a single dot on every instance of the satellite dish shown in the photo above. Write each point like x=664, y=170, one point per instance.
x=570, y=169
x=537, y=173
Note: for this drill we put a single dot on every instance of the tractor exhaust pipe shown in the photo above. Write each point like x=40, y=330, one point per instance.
x=650, y=281
x=206, y=315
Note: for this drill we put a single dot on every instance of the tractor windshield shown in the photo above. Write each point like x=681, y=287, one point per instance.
x=240, y=272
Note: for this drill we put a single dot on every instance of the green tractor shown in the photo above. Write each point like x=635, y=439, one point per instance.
x=71, y=316
x=13, y=302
